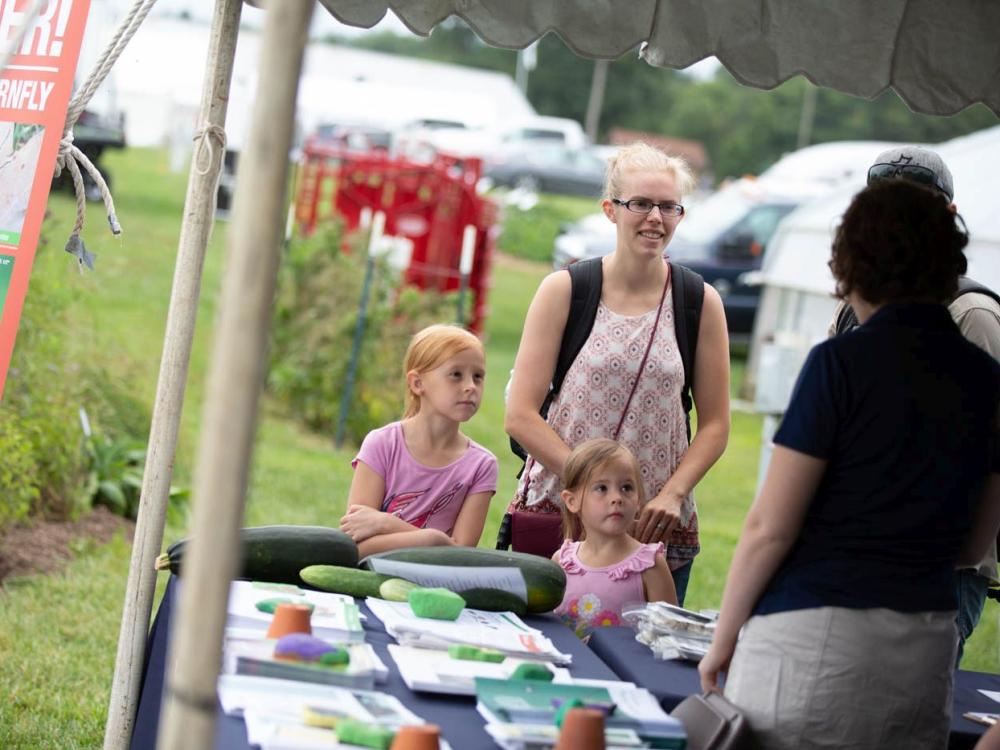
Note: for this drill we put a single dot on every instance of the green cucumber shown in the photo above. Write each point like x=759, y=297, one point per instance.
x=545, y=580
x=395, y=589
x=342, y=580
x=277, y=553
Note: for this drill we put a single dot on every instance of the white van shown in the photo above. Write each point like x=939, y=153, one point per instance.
x=561, y=131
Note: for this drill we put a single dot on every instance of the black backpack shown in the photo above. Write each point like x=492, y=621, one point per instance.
x=586, y=278
x=846, y=319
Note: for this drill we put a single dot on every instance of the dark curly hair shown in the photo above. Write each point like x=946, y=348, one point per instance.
x=899, y=241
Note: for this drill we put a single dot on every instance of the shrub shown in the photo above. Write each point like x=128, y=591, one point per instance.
x=316, y=315
x=45, y=465
x=18, y=472
x=531, y=233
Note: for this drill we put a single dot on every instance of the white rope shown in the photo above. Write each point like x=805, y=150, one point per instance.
x=203, y=145
x=29, y=20
x=70, y=157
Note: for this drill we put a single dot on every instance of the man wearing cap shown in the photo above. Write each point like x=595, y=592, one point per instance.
x=976, y=311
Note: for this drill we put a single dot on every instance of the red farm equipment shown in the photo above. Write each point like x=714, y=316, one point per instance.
x=434, y=206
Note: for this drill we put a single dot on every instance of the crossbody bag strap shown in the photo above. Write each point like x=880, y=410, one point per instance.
x=645, y=356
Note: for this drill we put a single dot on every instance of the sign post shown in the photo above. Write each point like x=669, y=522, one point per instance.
x=35, y=89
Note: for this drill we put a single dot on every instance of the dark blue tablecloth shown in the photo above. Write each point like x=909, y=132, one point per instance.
x=672, y=681
x=460, y=724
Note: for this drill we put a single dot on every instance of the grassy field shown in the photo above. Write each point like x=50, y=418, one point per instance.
x=58, y=633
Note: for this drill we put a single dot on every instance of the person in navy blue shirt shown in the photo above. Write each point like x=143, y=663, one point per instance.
x=884, y=478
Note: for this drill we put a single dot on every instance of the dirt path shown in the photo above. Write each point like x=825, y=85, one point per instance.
x=46, y=546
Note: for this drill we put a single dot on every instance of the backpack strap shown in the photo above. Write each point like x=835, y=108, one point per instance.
x=846, y=320
x=689, y=294
x=587, y=278
x=971, y=286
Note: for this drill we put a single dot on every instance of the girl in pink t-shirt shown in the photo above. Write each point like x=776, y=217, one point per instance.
x=608, y=568
x=420, y=482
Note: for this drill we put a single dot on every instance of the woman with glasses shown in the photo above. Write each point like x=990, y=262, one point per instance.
x=604, y=393
x=882, y=482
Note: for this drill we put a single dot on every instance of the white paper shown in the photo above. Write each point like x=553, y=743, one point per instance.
x=503, y=631
x=454, y=578
x=993, y=695
x=333, y=616
x=286, y=698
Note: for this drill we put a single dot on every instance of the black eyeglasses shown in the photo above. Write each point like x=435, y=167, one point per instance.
x=911, y=172
x=643, y=206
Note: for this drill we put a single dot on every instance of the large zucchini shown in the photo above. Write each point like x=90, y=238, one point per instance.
x=278, y=553
x=546, y=581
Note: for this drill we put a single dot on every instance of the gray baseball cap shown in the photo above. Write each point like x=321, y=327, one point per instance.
x=913, y=163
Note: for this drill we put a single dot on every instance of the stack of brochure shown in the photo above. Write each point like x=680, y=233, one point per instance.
x=255, y=657
x=335, y=617
x=502, y=631
x=530, y=707
x=432, y=671
x=276, y=711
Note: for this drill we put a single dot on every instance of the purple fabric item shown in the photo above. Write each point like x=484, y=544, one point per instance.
x=301, y=646
x=427, y=497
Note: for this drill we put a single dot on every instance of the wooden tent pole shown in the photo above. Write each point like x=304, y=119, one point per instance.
x=199, y=211
x=234, y=384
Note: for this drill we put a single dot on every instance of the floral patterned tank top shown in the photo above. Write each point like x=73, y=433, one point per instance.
x=595, y=596
x=590, y=405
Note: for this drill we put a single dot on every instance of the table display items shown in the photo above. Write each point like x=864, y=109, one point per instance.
x=581, y=728
x=527, y=713
x=504, y=632
x=671, y=632
x=438, y=671
x=417, y=737
x=291, y=715
x=253, y=604
x=290, y=618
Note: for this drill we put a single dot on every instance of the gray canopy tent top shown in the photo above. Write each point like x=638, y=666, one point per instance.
x=939, y=58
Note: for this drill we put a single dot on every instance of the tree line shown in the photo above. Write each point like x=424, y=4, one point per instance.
x=743, y=129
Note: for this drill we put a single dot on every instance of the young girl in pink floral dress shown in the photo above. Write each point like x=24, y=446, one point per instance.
x=608, y=568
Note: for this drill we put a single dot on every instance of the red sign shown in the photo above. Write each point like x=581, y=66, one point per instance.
x=35, y=89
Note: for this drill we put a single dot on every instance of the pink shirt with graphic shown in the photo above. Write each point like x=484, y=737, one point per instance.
x=424, y=496
x=595, y=597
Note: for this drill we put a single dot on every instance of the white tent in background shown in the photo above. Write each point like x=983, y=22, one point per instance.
x=797, y=304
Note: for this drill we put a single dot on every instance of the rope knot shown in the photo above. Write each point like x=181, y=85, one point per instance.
x=204, y=153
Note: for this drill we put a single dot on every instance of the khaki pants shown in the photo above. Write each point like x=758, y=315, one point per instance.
x=833, y=677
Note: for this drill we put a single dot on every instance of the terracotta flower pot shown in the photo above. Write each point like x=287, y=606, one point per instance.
x=582, y=729
x=417, y=737
x=290, y=618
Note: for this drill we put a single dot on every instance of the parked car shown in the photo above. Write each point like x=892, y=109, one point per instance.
x=548, y=169
x=539, y=130
x=722, y=238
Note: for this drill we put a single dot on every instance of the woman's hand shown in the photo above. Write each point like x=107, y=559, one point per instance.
x=715, y=661
x=362, y=522
x=659, y=517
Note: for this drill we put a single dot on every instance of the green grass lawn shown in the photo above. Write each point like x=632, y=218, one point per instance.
x=58, y=633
